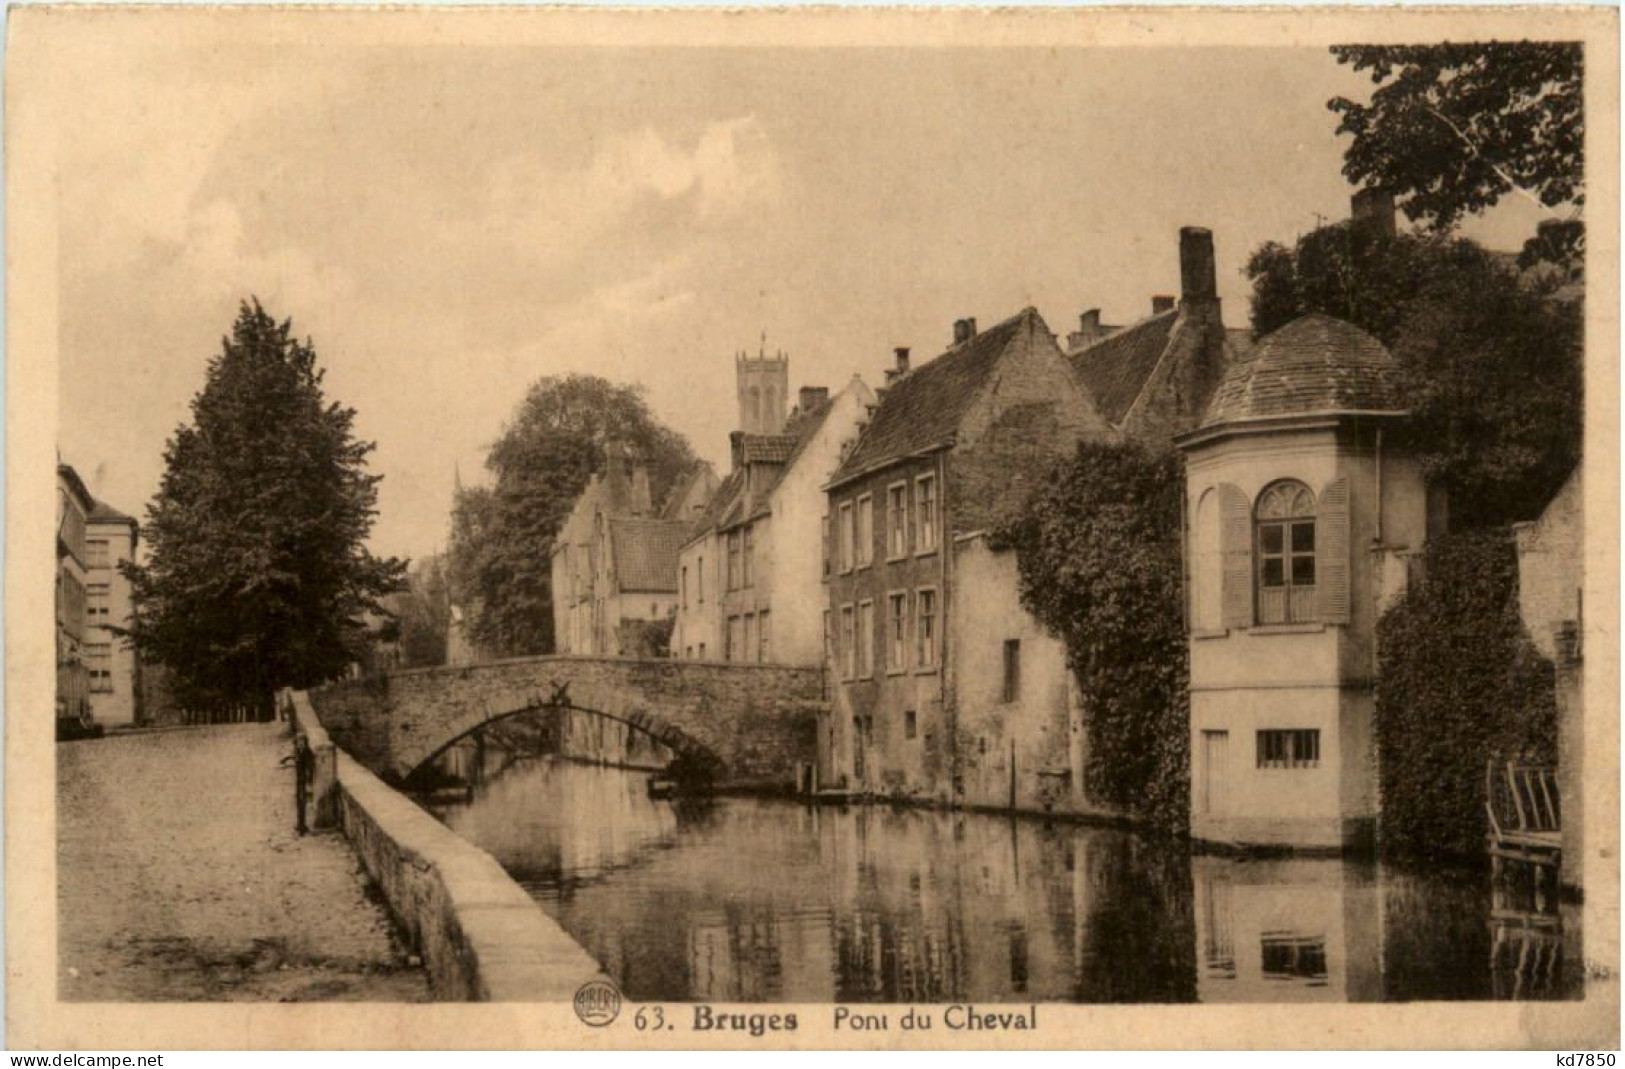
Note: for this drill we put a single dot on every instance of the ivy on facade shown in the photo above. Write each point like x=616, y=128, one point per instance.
x=1099, y=553
x=1459, y=685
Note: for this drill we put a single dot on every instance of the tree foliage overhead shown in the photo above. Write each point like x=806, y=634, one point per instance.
x=1453, y=128
x=1099, y=554
x=1493, y=364
x=257, y=574
x=502, y=536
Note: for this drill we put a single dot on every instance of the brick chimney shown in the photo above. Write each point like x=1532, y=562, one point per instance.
x=1197, y=279
x=736, y=449
x=1372, y=211
x=1162, y=302
x=964, y=330
x=811, y=398
x=899, y=366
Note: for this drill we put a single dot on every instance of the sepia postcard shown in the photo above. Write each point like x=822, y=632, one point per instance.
x=764, y=529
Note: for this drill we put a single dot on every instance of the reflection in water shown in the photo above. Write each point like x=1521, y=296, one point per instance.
x=763, y=900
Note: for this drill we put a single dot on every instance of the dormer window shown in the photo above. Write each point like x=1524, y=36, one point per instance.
x=1285, y=524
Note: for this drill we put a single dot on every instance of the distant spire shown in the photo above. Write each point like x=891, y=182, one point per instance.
x=761, y=353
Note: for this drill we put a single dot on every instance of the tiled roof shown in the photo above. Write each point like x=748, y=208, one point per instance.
x=1313, y=364
x=105, y=513
x=923, y=408
x=1114, y=370
x=720, y=504
x=768, y=448
x=646, y=554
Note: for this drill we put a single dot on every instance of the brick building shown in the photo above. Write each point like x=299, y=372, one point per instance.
x=944, y=690
x=115, y=684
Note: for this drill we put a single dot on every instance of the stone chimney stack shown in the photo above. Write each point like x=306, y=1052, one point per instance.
x=736, y=449
x=1162, y=302
x=1197, y=278
x=1372, y=211
x=899, y=366
x=964, y=330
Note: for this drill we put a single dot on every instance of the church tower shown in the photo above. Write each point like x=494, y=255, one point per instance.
x=764, y=390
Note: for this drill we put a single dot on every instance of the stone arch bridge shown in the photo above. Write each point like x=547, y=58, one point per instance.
x=742, y=725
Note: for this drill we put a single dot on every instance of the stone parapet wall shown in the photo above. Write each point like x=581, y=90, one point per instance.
x=758, y=722
x=481, y=937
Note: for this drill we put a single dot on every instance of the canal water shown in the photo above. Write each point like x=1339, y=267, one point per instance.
x=746, y=899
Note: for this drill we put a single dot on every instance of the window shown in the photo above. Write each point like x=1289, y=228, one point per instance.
x=688, y=653
x=747, y=576
x=761, y=637
x=896, y=632
x=925, y=628
x=896, y=521
x=733, y=560
x=829, y=637
x=849, y=643
x=1285, y=520
x=925, y=514
x=845, y=536
x=732, y=650
x=99, y=659
x=96, y=553
x=699, y=578
x=685, y=586
x=747, y=652
x=866, y=639
x=911, y=726
x=702, y=651
x=1296, y=748
x=96, y=607
x=865, y=532
x=823, y=527
x=1012, y=669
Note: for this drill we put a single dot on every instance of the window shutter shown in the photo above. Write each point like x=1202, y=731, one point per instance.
x=1236, y=549
x=1332, y=552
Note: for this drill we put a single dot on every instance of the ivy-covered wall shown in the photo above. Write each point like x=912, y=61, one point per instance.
x=1099, y=551
x=1459, y=683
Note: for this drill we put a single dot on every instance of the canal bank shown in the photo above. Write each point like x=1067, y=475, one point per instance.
x=481, y=938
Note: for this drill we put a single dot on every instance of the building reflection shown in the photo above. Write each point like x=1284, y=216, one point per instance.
x=761, y=900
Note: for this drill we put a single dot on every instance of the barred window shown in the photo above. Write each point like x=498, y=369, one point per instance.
x=1295, y=748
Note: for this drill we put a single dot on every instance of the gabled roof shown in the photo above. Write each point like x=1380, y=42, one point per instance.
x=1315, y=364
x=105, y=513
x=1114, y=369
x=922, y=410
x=646, y=554
x=680, y=491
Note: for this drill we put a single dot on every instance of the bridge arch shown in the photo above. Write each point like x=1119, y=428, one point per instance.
x=752, y=725
x=690, y=753
x=569, y=695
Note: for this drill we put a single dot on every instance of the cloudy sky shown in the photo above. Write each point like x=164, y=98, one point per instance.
x=449, y=223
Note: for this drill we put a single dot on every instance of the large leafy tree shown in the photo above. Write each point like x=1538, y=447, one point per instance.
x=257, y=575
x=1453, y=128
x=1492, y=361
x=1100, y=565
x=502, y=536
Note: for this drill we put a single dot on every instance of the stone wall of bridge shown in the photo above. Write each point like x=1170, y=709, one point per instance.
x=749, y=725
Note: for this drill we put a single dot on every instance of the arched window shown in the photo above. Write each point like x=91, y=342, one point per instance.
x=1284, y=520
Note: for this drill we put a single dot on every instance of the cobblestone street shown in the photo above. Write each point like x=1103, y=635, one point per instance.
x=180, y=878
